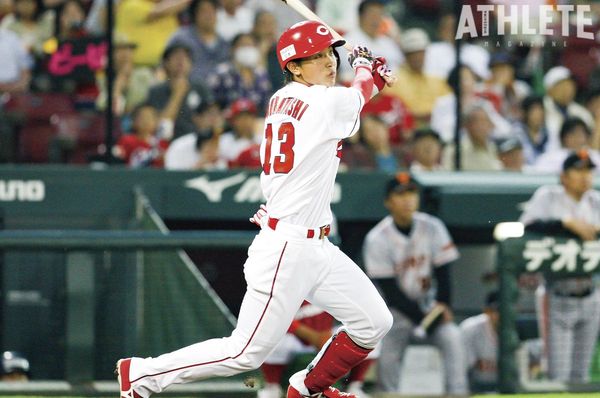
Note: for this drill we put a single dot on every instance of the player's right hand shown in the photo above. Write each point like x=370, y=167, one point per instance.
x=361, y=57
x=260, y=217
x=382, y=74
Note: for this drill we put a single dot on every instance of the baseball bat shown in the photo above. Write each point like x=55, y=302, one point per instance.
x=303, y=10
x=431, y=316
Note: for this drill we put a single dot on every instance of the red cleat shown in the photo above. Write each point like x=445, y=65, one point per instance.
x=331, y=392
x=122, y=372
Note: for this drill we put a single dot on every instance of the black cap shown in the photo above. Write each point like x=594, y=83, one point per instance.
x=578, y=160
x=402, y=182
x=426, y=132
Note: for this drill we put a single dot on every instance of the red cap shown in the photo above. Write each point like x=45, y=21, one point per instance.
x=241, y=105
x=303, y=40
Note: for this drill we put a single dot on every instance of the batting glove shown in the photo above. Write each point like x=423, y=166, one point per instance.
x=380, y=72
x=260, y=217
x=361, y=57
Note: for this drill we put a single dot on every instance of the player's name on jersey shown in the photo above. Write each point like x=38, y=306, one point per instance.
x=289, y=106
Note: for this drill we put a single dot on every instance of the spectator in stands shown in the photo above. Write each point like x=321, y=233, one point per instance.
x=370, y=19
x=559, y=103
x=480, y=335
x=532, y=131
x=131, y=84
x=510, y=153
x=371, y=149
x=505, y=86
x=15, y=76
x=15, y=73
x=179, y=94
x=443, y=116
x=395, y=114
x=426, y=151
x=592, y=104
x=69, y=21
x=242, y=119
x=265, y=35
x=574, y=135
x=15, y=367
x=571, y=307
x=96, y=19
x=478, y=151
x=233, y=18
x=199, y=150
x=440, y=57
x=244, y=77
x=70, y=37
x=414, y=87
x=149, y=24
x=208, y=48
x=31, y=23
x=143, y=147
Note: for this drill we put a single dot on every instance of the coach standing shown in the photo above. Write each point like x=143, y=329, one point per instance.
x=573, y=304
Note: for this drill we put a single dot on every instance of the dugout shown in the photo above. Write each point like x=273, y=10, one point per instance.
x=39, y=307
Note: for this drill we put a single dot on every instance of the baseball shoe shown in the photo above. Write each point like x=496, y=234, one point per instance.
x=122, y=372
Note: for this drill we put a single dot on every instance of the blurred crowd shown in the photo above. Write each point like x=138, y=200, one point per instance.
x=192, y=79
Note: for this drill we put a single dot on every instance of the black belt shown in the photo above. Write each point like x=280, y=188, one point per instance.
x=581, y=294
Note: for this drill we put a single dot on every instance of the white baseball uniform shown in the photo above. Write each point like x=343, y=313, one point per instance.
x=290, y=260
x=410, y=259
x=481, y=348
x=573, y=305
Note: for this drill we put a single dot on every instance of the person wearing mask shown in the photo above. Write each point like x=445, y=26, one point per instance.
x=244, y=77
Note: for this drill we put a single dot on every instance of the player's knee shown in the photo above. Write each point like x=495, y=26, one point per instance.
x=385, y=322
x=252, y=359
x=381, y=324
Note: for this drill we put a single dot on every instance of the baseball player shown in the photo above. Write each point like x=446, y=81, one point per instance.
x=480, y=336
x=403, y=254
x=291, y=259
x=572, y=310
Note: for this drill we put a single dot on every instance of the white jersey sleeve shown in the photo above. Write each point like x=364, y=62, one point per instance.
x=345, y=104
x=443, y=250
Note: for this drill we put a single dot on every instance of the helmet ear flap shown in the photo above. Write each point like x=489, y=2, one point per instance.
x=337, y=58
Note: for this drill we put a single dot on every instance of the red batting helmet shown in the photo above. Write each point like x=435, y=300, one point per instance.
x=303, y=40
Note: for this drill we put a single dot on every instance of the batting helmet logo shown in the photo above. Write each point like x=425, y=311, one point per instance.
x=303, y=40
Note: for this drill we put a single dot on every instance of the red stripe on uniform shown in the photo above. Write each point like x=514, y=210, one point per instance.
x=249, y=340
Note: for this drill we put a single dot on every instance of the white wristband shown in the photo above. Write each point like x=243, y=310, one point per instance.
x=362, y=62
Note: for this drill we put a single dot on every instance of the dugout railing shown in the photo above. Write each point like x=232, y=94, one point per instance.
x=180, y=309
x=552, y=257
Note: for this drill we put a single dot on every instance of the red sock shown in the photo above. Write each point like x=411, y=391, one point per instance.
x=272, y=373
x=359, y=371
x=341, y=355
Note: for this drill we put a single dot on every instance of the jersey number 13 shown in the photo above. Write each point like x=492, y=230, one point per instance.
x=283, y=161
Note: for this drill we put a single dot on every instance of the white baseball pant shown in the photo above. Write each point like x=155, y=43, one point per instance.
x=283, y=268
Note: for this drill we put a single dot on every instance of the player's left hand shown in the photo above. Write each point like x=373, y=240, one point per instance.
x=260, y=217
x=361, y=57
